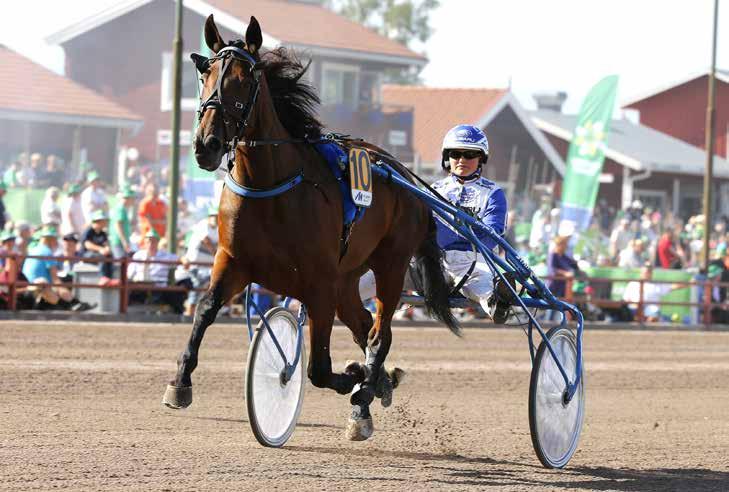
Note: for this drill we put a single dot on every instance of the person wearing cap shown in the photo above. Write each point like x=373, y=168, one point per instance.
x=72, y=214
x=155, y=274
x=95, y=243
x=3, y=213
x=93, y=198
x=619, y=237
x=122, y=215
x=50, y=210
x=201, y=247
x=69, y=249
x=633, y=256
x=152, y=211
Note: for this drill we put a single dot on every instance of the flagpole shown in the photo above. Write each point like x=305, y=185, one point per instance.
x=708, y=175
x=175, y=154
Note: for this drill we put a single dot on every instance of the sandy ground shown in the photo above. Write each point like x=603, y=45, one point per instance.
x=80, y=409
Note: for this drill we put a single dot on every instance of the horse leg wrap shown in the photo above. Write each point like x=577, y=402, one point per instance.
x=177, y=397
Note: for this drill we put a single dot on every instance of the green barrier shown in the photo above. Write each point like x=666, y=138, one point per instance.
x=24, y=204
x=683, y=294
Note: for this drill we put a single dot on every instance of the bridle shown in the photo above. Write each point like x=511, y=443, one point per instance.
x=235, y=111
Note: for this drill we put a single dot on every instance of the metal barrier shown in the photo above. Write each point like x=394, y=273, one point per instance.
x=125, y=286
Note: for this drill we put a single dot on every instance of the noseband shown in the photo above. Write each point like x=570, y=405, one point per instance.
x=236, y=111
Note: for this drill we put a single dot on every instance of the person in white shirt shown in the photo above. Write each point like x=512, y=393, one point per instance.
x=633, y=255
x=201, y=248
x=72, y=214
x=50, y=210
x=652, y=294
x=93, y=198
x=155, y=274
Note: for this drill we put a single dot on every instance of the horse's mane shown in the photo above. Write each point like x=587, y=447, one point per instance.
x=295, y=101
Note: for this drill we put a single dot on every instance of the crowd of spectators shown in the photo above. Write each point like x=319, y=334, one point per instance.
x=80, y=221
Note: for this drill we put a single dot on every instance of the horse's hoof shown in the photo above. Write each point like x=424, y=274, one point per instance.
x=177, y=397
x=359, y=371
x=359, y=430
x=386, y=383
x=397, y=376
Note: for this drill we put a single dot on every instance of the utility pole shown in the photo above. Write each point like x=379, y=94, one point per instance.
x=175, y=156
x=708, y=175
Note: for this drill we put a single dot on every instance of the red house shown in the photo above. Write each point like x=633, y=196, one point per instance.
x=679, y=110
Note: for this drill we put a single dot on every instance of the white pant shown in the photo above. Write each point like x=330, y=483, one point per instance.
x=477, y=288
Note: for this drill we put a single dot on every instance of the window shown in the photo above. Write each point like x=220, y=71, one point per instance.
x=340, y=84
x=189, y=86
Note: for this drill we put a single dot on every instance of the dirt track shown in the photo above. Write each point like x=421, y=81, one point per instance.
x=81, y=409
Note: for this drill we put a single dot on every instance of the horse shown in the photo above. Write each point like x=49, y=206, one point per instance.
x=255, y=107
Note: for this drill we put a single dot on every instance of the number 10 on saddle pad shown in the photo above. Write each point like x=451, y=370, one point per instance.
x=360, y=177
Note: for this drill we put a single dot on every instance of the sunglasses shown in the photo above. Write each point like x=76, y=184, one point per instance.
x=466, y=154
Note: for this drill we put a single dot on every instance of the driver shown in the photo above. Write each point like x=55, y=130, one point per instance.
x=465, y=150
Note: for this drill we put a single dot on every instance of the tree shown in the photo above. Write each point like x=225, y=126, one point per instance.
x=405, y=21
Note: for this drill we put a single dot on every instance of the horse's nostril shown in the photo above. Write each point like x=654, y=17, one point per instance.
x=213, y=143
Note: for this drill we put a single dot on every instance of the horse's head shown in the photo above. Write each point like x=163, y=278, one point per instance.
x=230, y=89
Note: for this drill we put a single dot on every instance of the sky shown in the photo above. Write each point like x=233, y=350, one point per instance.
x=530, y=45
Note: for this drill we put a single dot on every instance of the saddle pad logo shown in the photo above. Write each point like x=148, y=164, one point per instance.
x=360, y=177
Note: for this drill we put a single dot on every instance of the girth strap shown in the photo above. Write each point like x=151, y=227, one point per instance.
x=247, y=192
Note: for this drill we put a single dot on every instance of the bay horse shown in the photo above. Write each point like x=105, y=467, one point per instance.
x=256, y=106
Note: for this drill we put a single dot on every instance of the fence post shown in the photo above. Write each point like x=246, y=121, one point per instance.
x=13, y=289
x=641, y=317
x=568, y=295
x=123, y=291
x=707, y=301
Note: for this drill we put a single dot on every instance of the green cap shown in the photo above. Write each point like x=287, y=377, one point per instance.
x=92, y=176
x=49, y=231
x=212, y=210
x=127, y=192
x=74, y=188
x=152, y=234
x=6, y=236
x=99, y=215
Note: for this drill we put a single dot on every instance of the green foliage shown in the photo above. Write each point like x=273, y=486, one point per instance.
x=404, y=21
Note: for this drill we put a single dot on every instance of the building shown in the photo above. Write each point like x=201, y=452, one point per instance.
x=43, y=112
x=348, y=63
x=521, y=159
x=679, y=110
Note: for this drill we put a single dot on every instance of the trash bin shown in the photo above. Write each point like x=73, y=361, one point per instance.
x=106, y=300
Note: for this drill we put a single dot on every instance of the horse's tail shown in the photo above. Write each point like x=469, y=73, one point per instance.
x=431, y=280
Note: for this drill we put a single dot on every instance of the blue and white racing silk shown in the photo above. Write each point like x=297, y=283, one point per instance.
x=480, y=197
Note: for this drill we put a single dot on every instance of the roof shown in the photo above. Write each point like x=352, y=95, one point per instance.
x=636, y=146
x=29, y=91
x=721, y=75
x=437, y=110
x=282, y=22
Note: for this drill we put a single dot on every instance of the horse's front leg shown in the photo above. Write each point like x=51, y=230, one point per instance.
x=226, y=281
x=321, y=318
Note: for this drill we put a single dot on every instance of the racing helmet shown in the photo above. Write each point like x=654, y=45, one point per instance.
x=465, y=137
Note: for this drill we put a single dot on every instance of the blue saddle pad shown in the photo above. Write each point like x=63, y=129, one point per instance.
x=338, y=162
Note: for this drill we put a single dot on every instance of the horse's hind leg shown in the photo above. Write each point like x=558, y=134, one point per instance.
x=389, y=288
x=225, y=282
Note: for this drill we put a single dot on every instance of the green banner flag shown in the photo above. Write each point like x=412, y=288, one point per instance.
x=587, y=154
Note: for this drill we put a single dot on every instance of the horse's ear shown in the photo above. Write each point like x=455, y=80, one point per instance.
x=254, y=38
x=212, y=36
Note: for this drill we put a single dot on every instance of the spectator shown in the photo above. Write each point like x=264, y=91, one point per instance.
x=93, y=198
x=72, y=214
x=719, y=272
x=560, y=264
x=24, y=236
x=50, y=210
x=152, y=211
x=11, y=177
x=154, y=273
x=620, y=237
x=667, y=254
x=652, y=294
x=633, y=256
x=121, y=223
x=201, y=248
x=29, y=173
x=3, y=213
x=95, y=244
x=10, y=273
x=43, y=273
x=539, y=235
x=52, y=175
x=69, y=249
